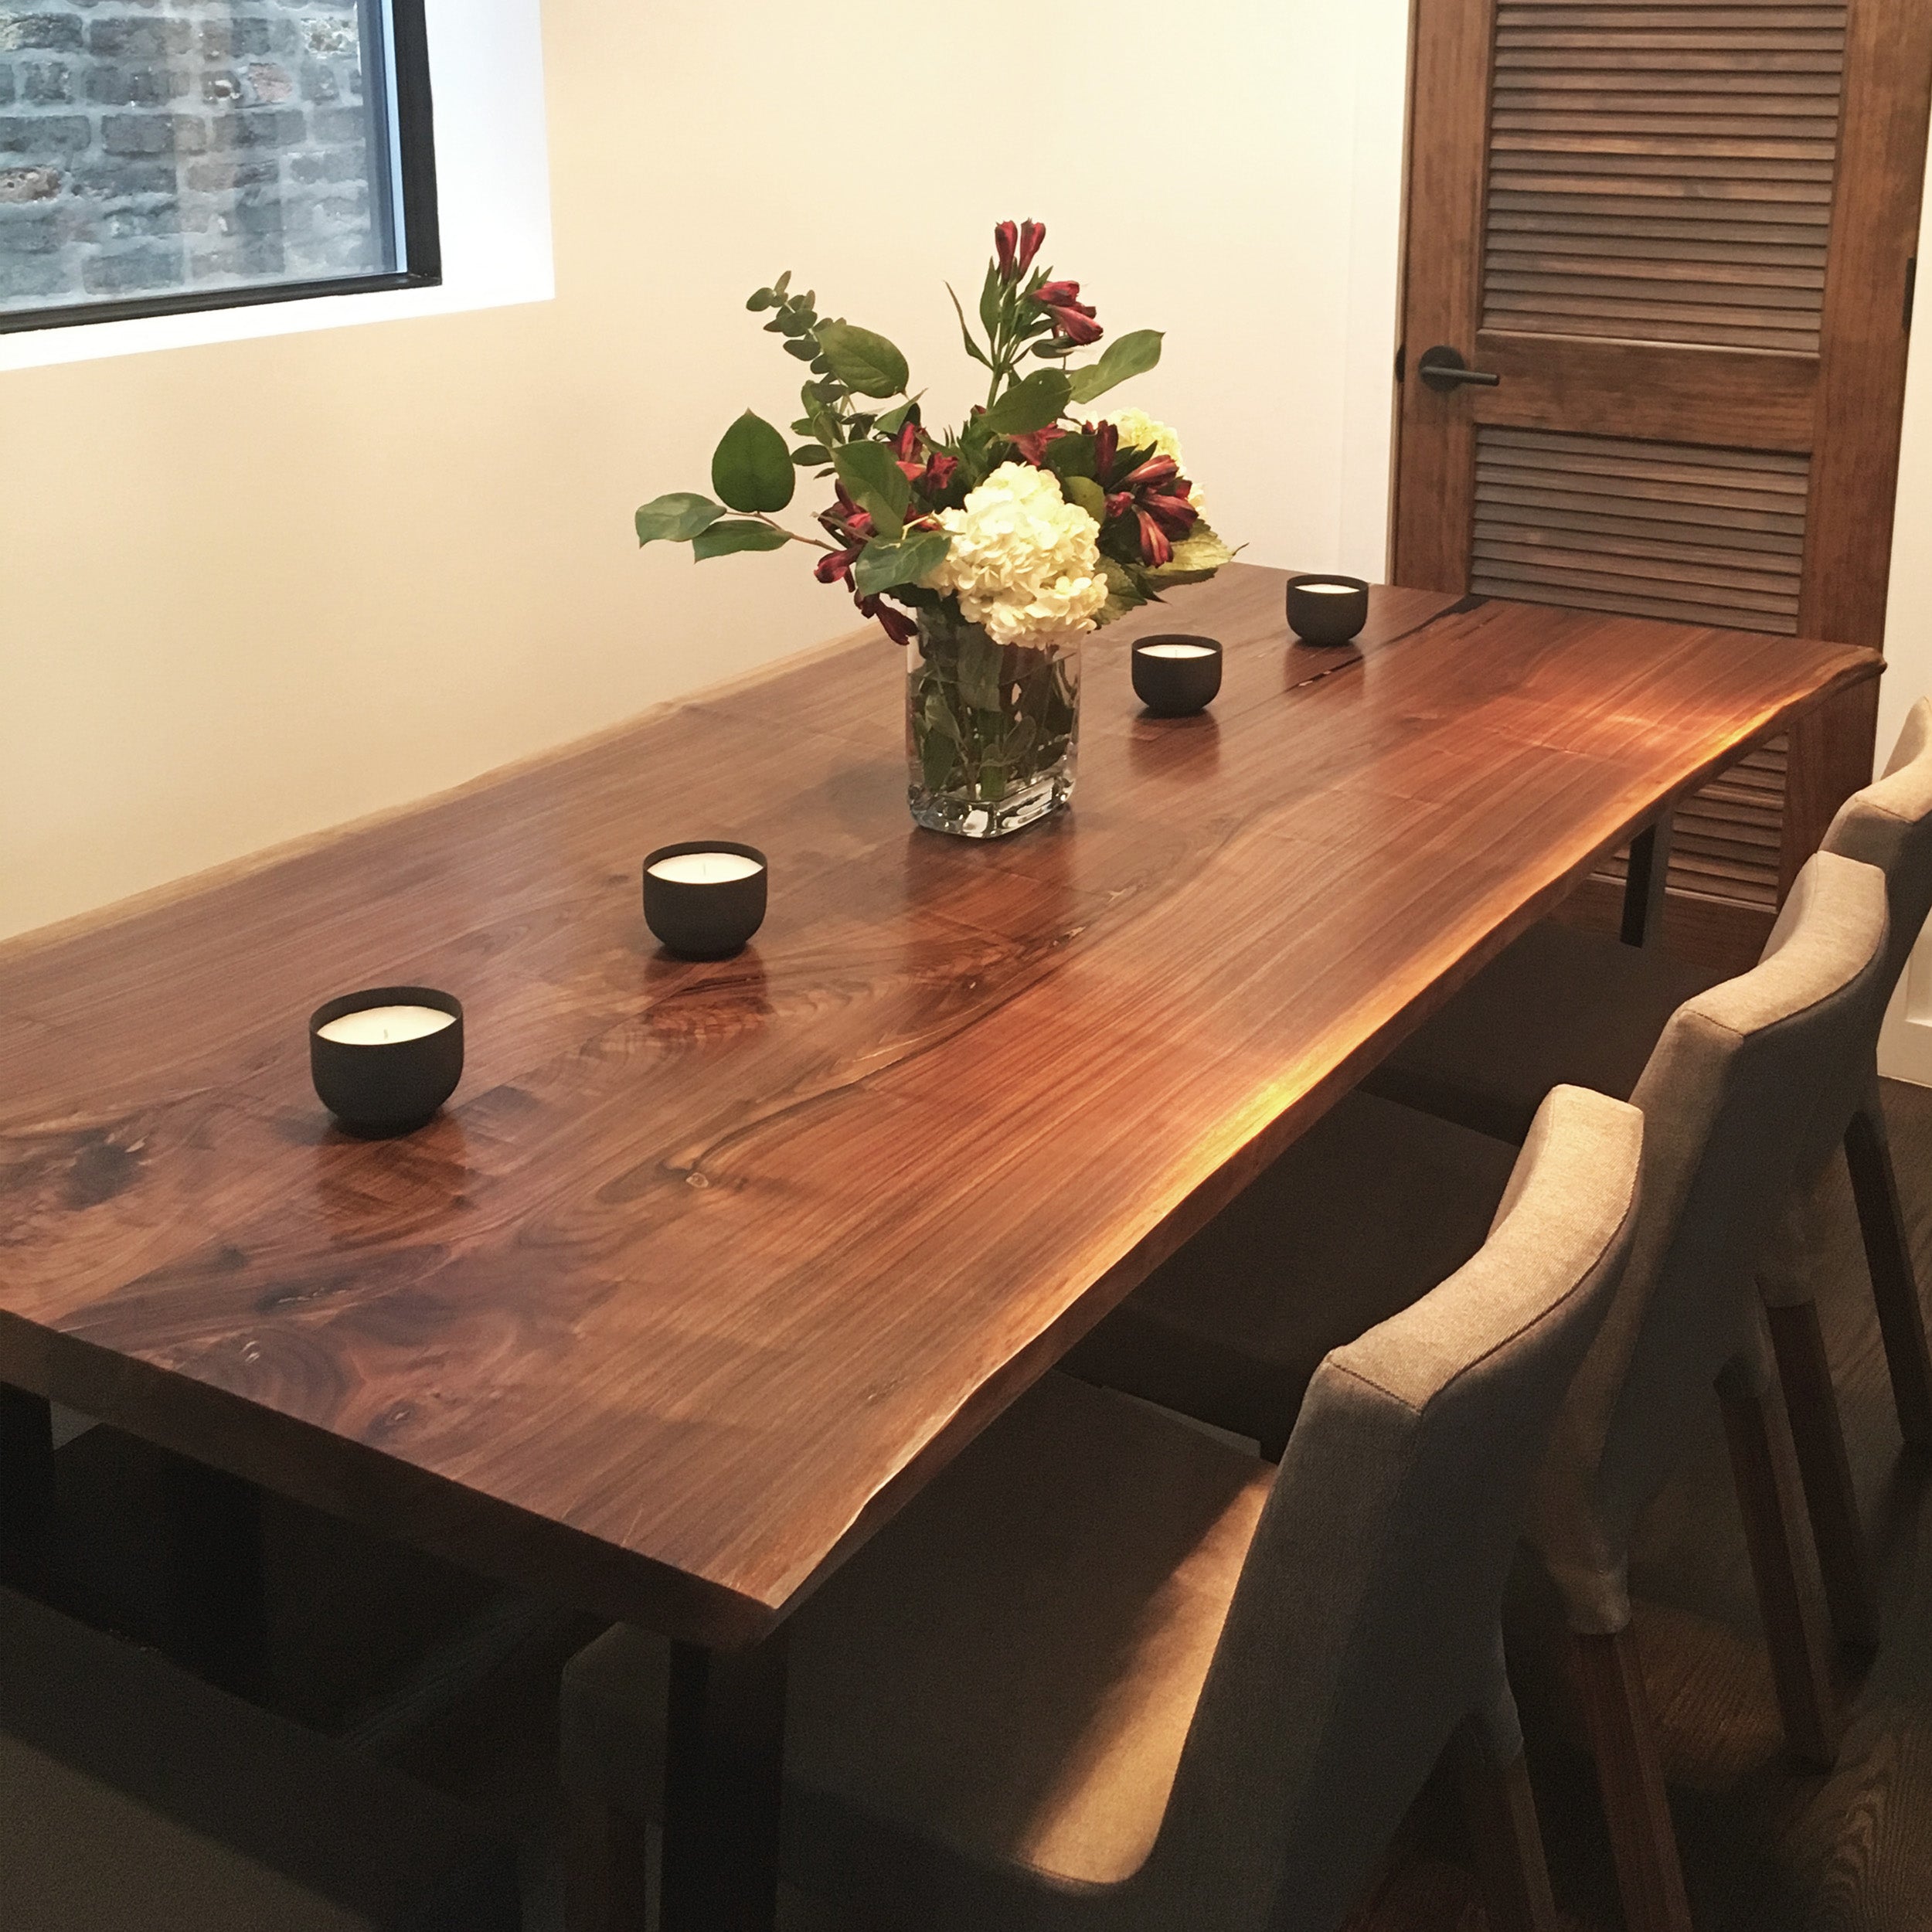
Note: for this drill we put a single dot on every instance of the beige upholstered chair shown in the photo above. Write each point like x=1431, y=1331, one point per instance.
x=1564, y=1006
x=1110, y=1672
x=133, y=1795
x=1724, y=1098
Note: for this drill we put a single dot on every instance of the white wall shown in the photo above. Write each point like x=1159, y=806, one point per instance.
x=1906, y=1051
x=251, y=589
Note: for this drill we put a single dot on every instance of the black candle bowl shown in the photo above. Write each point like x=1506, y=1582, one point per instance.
x=393, y=1086
x=1329, y=616
x=705, y=919
x=1172, y=687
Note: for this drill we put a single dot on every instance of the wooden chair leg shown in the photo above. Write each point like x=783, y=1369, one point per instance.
x=1502, y=1813
x=26, y=1486
x=1818, y=1433
x=1888, y=1256
x=1630, y=1773
x=1764, y=1467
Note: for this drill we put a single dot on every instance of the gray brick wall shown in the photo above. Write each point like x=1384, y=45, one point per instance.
x=162, y=146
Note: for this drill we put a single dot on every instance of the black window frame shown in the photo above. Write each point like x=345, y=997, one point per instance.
x=407, y=150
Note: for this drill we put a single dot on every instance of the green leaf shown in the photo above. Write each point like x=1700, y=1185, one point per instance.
x=991, y=300
x=1123, y=594
x=803, y=349
x=939, y=717
x=966, y=335
x=894, y=419
x=807, y=454
x=1196, y=558
x=872, y=474
x=1071, y=455
x=881, y=565
x=677, y=518
x=866, y=363
x=979, y=661
x=1030, y=404
x=1087, y=494
x=722, y=539
x=1130, y=354
x=763, y=299
x=751, y=469
x=936, y=753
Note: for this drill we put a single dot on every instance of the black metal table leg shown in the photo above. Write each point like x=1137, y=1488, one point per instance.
x=26, y=1485
x=1644, y=884
x=723, y=1777
x=215, y=1603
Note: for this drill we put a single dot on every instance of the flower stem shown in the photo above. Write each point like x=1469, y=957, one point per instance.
x=817, y=543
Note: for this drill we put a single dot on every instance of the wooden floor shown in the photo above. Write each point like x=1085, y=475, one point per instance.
x=456, y=1683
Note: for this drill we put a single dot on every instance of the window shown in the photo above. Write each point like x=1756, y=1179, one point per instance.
x=159, y=155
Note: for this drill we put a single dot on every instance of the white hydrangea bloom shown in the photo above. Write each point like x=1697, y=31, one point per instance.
x=1139, y=431
x=1025, y=563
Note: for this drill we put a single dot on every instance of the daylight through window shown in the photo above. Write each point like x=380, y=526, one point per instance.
x=163, y=154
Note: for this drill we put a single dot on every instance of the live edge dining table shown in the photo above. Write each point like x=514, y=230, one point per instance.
x=709, y=1268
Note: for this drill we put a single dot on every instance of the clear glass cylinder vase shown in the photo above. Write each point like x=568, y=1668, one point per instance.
x=992, y=730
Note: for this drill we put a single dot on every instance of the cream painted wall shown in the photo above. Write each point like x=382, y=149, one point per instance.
x=251, y=589
x=1905, y=1050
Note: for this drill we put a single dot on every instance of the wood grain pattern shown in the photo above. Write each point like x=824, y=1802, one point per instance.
x=1875, y=229
x=1664, y=392
x=709, y=1267
x=1630, y=1772
x=1436, y=433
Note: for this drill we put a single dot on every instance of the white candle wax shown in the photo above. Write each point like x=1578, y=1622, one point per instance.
x=385, y=1026
x=1176, y=651
x=705, y=868
x=1329, y=589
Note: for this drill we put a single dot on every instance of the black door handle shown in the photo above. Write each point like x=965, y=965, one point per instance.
x=1443, y=369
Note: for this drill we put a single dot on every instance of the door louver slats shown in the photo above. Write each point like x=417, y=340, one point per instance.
x=1664, y=530
x=1663, y=173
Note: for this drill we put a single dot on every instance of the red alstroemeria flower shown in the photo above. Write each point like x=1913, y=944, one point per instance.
x=895, y=623
x=1015, y=245
x=1032, y=448
x=1153, y=493
x=1156, y=469
x=1155, y=550
x=1073, y=319
x=836, y=566
x=846, y=521
x=923, y=467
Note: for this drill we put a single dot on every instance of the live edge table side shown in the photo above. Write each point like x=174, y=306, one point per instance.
x=708, y=1267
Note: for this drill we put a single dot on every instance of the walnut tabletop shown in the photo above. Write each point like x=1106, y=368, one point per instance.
x=708, y=1266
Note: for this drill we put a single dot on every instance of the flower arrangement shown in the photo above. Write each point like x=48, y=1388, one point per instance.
x=994, y=547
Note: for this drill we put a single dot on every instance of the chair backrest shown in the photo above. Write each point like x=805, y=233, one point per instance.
x=1889, y=825
x=1726, y=1098
x=1365, y=1626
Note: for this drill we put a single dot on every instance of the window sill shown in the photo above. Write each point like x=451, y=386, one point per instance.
x=492, y=162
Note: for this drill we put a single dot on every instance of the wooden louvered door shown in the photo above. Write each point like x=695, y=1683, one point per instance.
x=1679, y=233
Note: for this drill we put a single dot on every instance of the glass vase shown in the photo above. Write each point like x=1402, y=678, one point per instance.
x=992, y=730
